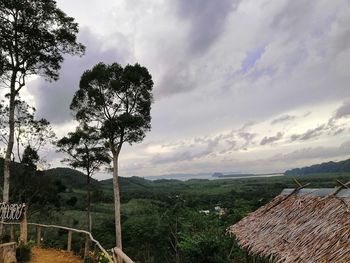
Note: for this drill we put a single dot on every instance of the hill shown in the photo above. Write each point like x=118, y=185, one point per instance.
x=69, y=177
x=327, y=167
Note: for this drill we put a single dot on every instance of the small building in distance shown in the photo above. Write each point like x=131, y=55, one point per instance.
x=309, y=225
x=206, y=212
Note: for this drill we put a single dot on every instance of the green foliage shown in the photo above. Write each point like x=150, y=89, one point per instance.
x=41, y=193
x=30, y=158
x=84, y=150
x=204, y=248
x=24, y=253
x=161, y=221
x=71, y=178
x=102, y=258
x=118, y=100
x=34, y=36
x=72, y=201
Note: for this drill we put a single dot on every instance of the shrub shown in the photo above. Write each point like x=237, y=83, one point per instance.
x=23, y=253
x=102, y=258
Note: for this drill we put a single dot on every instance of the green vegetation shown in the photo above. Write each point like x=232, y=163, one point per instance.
x=161, y=220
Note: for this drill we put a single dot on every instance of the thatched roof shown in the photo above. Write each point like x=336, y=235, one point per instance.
x=310, y=226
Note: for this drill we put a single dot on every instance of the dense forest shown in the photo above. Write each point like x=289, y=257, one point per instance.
x=162, y=220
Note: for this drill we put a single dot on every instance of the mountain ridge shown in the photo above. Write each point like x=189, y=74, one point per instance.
x=325, y=167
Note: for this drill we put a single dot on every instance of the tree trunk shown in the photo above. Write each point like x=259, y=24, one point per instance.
x=7, y=160
x=89, y=203
x=118, y=231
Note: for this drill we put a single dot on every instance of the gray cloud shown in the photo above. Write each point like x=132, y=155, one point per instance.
x=309, y=134
x=283, y=118
x=208, y=20
x=186, y=155
x=248, y=137
x=338, y=131
x=331, y=128
x=319, y=152
x=295, y=18
x=269, y=140
x=177, y=78
x=343, y=111
x=247, y=125
x=53, y=99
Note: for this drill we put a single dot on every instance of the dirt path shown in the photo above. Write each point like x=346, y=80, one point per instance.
x=40, y=255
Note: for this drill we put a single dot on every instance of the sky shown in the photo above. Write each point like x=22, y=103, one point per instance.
x=252, y=86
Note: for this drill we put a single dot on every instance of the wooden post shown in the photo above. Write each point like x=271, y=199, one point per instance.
x=38, y=235
x=87, y=246
x=23, y=238
x=69, y=243
x=95, y=250
x=12, y=233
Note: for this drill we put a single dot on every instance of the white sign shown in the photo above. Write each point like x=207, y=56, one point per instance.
x=11, y=211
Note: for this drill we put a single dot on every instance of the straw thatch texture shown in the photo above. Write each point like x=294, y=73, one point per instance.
x=298, y=229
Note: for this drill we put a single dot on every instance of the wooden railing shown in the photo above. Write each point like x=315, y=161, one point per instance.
x=118, y=256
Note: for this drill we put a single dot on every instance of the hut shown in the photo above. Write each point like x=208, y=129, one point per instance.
x=300, y=225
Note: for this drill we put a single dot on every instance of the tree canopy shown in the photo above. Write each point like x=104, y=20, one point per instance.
x=117, y=100
x=84, y=150
x=34, y=36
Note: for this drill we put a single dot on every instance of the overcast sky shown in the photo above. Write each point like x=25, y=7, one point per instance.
x=240, y=86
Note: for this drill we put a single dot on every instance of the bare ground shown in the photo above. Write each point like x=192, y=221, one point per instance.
x=40, y=255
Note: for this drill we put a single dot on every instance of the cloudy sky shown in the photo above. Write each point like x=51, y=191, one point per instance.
x=240, y=85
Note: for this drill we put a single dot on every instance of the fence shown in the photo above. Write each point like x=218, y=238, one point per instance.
x=118, y=256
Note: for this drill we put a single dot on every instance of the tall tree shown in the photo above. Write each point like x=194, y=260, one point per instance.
x=29, y=131
x=84, y=150
x=117, y=102
x=34, y=36
x=30, y=158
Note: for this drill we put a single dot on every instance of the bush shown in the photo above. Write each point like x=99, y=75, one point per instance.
x=23, y=253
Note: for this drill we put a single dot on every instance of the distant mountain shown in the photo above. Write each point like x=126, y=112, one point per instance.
x=76, y=179
x=69, y=177
x=327, y=167
x=128, y=182
x=217, y=174
x=180, y=176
